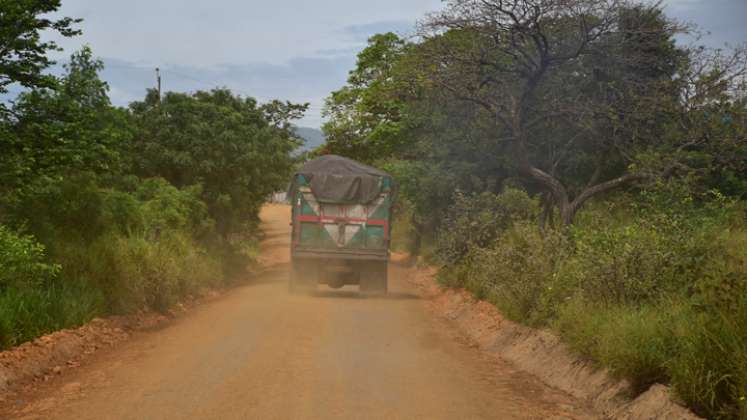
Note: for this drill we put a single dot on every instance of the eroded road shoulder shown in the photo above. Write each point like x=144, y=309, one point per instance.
x=258, y=352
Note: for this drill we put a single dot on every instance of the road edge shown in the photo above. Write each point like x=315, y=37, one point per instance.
x=53, y=354
x=542, y=354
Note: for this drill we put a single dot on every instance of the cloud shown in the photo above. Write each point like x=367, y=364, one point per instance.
x=723, y=20
x=301, y=79
x=291, y=49
x=202, y=33
x=339, y=51
x=361, y=33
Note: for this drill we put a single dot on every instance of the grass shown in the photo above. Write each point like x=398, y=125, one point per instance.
x=634, y=343
x=703, y=355
x=658, y=298
x=115, y=274
x=29, y=313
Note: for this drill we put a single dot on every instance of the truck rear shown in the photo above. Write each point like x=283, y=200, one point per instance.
x=341, y=223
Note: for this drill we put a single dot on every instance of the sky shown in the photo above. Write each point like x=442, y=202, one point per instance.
x=297, y=50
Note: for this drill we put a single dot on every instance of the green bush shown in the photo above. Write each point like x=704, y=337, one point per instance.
x=114, y=250
x=166, y=207
x=666, y=243
x=135, y=272
x=633, y=263
x=661, y=297
x=82, y=207
x=22, y=261
x=55, y=209
x=427, y=191
x=33, y=299
x=709, y=365
x=516, y=273
x=478, y=220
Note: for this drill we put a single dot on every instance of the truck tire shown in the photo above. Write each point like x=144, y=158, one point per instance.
x=303, y=277
x=374, y=278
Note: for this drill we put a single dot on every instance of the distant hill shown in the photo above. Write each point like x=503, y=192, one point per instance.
x=313, y=137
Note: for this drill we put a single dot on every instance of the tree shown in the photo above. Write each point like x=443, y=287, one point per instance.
x=553, y=77
x=57, y=135
x=237, y=150
x=57, y=132
x=23, y=55
x=389, y=112
x=713, y=118
x=368, y=118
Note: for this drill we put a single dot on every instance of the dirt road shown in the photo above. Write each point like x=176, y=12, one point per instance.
x=261, y=353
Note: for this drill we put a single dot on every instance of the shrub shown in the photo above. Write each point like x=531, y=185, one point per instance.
x=22, y=261
x=724, y=272
x=709, y=367
x=517, y=272
x=137, y=245
x=79, y=207
x=708, y=364
x=663, y=246
x=166, y=207
x=134, y=272
x=632, y=263
x=427, y=189
x=61, y=209
x=477, y=221
x=33, y=300
x=404, y=236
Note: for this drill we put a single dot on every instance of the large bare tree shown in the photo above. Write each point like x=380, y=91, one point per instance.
x=577, y=88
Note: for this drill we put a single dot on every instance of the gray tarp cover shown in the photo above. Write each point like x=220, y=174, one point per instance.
x=337, y=179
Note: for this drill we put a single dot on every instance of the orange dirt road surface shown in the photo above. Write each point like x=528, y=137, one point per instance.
x=260, y=353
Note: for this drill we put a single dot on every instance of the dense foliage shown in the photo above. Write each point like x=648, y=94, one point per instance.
x=575, y=165
x=110, y=210
x=235, y=149
x=650, y=286
x=23, y=56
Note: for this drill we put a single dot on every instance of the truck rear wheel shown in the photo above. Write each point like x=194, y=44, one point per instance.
x=303, y=277
x=374, y=278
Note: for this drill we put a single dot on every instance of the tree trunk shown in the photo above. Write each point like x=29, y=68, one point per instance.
x=417, y=243
x=568, y=208
x=567, y=214
x=547, y=218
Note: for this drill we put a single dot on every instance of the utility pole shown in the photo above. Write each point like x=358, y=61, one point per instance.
x=158, y=83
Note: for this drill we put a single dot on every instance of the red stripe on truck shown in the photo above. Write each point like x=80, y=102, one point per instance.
x=337, y=219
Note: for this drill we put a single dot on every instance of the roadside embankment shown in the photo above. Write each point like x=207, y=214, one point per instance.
x=541, y=353
x=53, y=354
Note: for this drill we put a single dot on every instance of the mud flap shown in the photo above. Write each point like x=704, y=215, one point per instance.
x=374, y=278
x=303, y=277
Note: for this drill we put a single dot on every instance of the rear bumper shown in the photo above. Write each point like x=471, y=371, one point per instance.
x=365, y=255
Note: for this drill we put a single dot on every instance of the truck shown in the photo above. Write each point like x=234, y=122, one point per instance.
x=341, y=225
